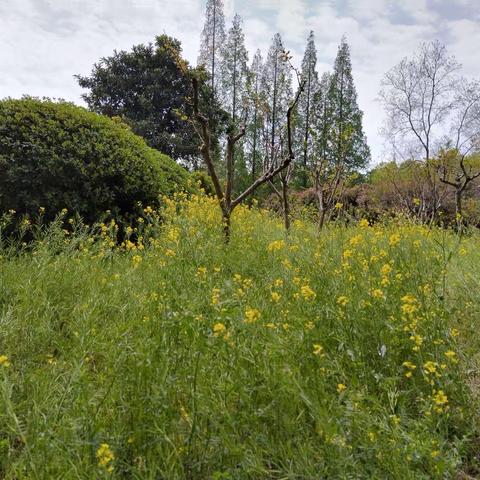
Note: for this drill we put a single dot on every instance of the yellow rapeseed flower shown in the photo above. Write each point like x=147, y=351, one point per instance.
x=215, y=296
x=441, y=400
x=307, y=293
x=275, y=296
x=275, y=245
x=105, y=457
x=341, y=387
x=342, y=300
x=363, y=223
x=451, y=355
x=251, y=315
x=394, y=239
x=219, y=329
x=356, y=240
x=4, y=361
x=201, y=272
x=430, y=367
x=318, y=350
x=418, y=340
x=454, y=332
x=395, y=419
x=386, y=269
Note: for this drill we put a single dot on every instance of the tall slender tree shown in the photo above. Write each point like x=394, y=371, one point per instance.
x=277, y=89
x=304, y=110
x=255, y=150
x=212, y=43
x=234, y=71
x=349, y=148
x=326, y=172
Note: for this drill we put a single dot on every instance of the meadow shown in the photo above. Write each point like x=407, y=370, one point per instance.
x=346, y=354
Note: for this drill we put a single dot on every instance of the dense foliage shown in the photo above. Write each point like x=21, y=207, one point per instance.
x=339, y=356
x=56, y=156
x=148, y=88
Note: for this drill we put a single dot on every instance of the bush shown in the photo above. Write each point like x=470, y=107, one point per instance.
x=57, y=155
x=203, y=181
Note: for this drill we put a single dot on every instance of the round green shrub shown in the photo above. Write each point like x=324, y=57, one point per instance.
x=55, y=155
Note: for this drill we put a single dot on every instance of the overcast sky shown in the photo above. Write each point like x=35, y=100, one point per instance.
x=43, y=43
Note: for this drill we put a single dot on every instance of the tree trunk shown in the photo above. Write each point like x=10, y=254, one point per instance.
x=307, y=120
x=226, y=222
x=458, y=203
x=286, y=205
x=321, y=205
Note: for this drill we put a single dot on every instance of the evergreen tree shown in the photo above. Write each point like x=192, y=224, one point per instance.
x=211, y=44
x=146, y=87
x=303, y=138
x=349, y=145
x=255, y=151
x=277, y=89
x=321, y=135
x=234, y=71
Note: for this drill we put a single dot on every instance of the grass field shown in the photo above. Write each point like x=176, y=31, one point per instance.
x=346, y=355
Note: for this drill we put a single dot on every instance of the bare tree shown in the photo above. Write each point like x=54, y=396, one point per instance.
x=224, y=194
x=453, y=165
x=418, y=98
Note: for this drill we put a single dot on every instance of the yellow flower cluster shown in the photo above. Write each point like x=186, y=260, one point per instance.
x=440, y=400
x=4, y=361
x=275, y=245
x=318, y=350
x=252, y=315
x=411, y=367
x=215, y=296
x=307, y=293
x=342, y=301
x=105, y=457
x=275, y=297
x=394, y=239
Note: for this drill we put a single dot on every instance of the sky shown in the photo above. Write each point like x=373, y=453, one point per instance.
x=43, y=43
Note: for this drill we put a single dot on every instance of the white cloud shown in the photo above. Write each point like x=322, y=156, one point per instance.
x=43, y=43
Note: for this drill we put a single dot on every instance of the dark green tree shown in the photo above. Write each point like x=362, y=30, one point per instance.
x=349, y=145
x=146, y=87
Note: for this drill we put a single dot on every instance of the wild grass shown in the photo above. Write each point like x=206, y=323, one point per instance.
x=349, y=354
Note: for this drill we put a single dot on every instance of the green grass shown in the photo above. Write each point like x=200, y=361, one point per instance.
x=148, y=351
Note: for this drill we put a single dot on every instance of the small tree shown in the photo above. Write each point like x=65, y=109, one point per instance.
x=224, y=194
